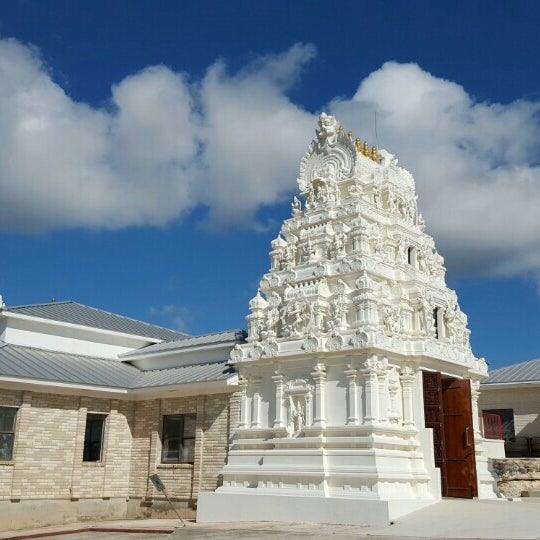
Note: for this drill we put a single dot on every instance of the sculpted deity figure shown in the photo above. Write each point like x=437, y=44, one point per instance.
x=426, y=313
x=339, y=311
x=289, y=255
x=272, y=318
x=296, y=206
x=321, y=193
x=296, y=415
x=355, y=191
x=328, y=172
x=377, y=197
x=391, y=320
x=386, y=158
x=337, y=248
x=401, y=250
x=421, y=260
x=328, y=129
x=296, y=317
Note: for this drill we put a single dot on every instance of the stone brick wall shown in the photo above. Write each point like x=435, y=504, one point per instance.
x=517, y=475
x=47, y=459
x=217, y=417
x=8, y=399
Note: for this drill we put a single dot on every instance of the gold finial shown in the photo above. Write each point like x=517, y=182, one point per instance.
x=374, y=155
x=341, y=129
x=366, y=149
x=358, y=144
x=349, y=134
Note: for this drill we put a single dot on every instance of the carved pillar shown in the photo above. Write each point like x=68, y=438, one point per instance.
x=278, y=421
x=407, y=381
x=371, y=391
x=309, y=409
x=320, y=311
x=352, y=395
x=382, y=373
x=364, y=243
x=319, y=376
x=243, y=383
x=393, y=388
x=256, y=404
x=475, y=394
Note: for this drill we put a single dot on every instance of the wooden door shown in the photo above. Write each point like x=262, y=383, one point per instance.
x=434, y=419
x=460, y=460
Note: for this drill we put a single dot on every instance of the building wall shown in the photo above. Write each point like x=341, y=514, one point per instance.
x=48, y=482
x=524, y=401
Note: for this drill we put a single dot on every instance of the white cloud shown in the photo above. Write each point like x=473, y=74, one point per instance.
x=233, y=141
x=164, y=146
x=253, y=136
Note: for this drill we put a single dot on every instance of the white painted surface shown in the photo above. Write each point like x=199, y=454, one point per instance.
x=336, y=347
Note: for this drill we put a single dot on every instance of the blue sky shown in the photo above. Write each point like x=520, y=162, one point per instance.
x=149, y=150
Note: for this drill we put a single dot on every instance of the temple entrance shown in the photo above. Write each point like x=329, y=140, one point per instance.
x=448, y=411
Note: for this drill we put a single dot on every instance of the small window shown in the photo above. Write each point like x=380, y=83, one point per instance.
x=93, y=437
x=410, y=255
x=7, y=432
x=436, y=323
x=507, y=421
x=178, y=438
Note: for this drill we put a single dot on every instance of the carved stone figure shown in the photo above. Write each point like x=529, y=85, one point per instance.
x=426, y=313
x=328, y=129
x=391, y=320
x=296, y=415
x=296, y=317
x=296, y=206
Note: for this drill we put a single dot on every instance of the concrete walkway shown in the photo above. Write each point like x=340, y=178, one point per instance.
x=450, y=519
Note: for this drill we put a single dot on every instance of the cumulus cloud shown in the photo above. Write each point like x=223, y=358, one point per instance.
x=232, y=142
x=253, y=136
x=165, y=144
x=476, y=165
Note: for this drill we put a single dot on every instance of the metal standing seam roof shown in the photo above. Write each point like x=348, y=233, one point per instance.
x=32, y=363
x=522, y=372
x=227, y=336
x=75, y=313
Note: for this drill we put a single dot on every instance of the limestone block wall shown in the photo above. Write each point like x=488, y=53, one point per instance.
x=47, y=455
x=217, y=417
x=47, y=468
x=8, y=399
x=517, y=475
x=524, y=401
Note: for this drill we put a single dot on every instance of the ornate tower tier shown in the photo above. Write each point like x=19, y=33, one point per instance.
x=353, y=309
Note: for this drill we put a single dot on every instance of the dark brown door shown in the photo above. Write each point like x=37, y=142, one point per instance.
x=434, y=419
x=448, y=412
x=459, y=439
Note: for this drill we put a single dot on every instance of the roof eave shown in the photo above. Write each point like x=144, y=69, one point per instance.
x=225, y=385
x=140, y=354
x=512, y=384
x=102, y=331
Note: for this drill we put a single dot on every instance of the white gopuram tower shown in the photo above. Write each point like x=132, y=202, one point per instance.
x=356, y=347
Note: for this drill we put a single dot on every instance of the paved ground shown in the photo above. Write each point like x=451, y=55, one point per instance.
x=449, y=519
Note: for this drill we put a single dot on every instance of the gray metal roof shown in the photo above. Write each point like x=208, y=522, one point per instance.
x=75, y=313
x=227, y=336
x=522, y=372
x=32, y=363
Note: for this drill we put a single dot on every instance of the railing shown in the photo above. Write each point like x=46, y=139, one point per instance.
x=522, y=447
x=492, y=426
